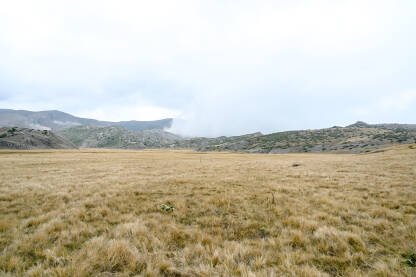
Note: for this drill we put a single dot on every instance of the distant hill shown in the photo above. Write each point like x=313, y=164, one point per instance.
x=23, y=138
x=57, y=120
x=234, y=143
x=87, y=136
x=390, y=126
x=356, y=138
x=83, y=132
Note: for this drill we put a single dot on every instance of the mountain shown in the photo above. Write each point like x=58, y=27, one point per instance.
x=57, y=120
x=87, y=136
x=82, y=132
x=357, y=138
x=23, y=138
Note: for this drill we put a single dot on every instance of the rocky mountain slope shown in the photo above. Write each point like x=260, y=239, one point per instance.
x=234, y=143
x=56, y=120
x=357, y=138
x=87, y=136
x=23, y=138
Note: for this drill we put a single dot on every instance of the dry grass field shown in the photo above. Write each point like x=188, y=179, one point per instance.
x=179, y=213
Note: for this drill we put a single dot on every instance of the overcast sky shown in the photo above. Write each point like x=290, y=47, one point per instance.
x=219, y=67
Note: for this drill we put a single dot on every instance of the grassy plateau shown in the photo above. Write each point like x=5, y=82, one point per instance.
x=182, y=213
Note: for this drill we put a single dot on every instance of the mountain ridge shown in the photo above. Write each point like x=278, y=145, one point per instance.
x=355, y=138
x=58, y=120
x=391, y=126
x=358, y=137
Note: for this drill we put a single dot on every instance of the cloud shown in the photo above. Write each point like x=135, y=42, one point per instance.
x=130, y=112
x=397, y=103
x=224, y=67
x=397, y=107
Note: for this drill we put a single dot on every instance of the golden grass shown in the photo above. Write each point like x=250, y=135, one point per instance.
x=98, y=213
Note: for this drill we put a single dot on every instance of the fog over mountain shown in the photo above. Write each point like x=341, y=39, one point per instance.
x=217, y=67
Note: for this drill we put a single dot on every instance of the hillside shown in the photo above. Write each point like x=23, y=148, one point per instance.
x=23, y=138
x=235, y=143
x=357, y=138
x=57, y=120
x=87, y=136
x=83, y=132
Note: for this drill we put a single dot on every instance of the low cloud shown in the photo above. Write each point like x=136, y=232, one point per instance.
x=395, y=108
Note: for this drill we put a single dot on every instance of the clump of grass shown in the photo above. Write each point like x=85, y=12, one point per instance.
x=409, y=259
x=167, y=208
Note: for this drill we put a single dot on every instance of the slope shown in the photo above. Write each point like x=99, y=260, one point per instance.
x=23, y=138
x=87, y=136
x=57, y=120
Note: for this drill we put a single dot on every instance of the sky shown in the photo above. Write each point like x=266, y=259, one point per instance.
x=218, y=67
